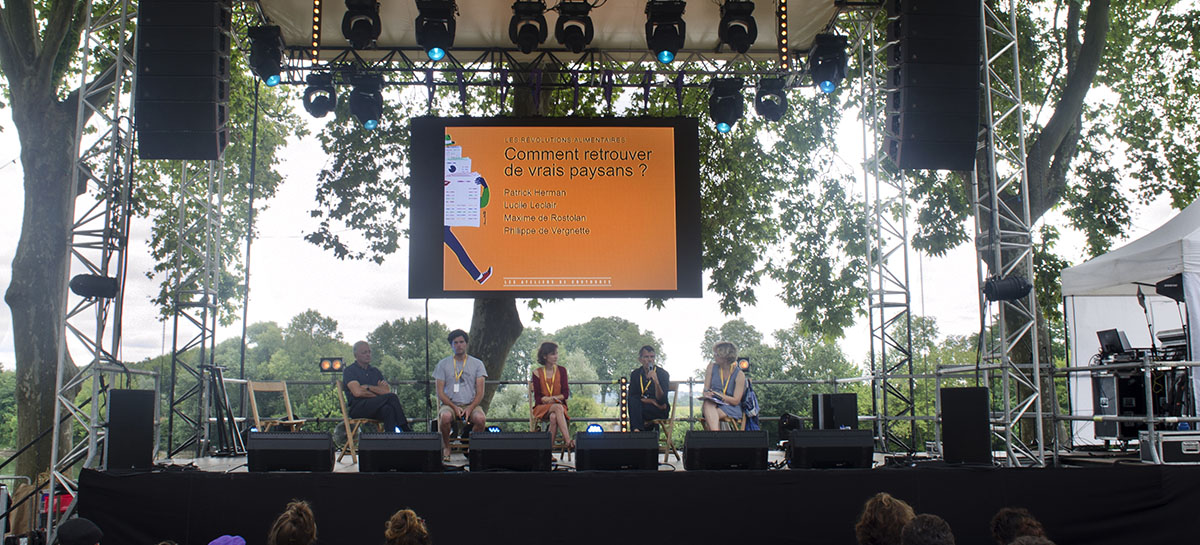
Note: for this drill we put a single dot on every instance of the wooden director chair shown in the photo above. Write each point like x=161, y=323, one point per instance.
x=352, y=426
x=534, y=425
x=668, y=424
x=265, y=424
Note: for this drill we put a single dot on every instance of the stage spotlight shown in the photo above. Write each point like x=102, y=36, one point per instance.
x=1006, y=289
x=266, y=53
x=493, y=429
x=94, y=286
x=361, y=24
x=738, y=28
x=770, y=100
x=827, y=61
x=331, y=365
x=320, y=97
x=574, y=27
x=527, y=28
x=725, y=102
x=435, y=27
x=595, y=428
x=744, y=363
x=366, y=100
x=665, y=29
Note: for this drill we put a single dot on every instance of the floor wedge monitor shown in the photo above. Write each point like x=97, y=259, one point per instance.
x=289, y=451
x=379, y=452
x=830, y=449
x=725, y=450
x=512, y=451
x=634, y=450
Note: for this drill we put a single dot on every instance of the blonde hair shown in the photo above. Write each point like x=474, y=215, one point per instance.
x=406, y=528
x=295, y=526
x=882, y=520
x=725, y=350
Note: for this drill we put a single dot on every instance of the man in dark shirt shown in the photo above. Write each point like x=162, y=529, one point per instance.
x=369, y=395
x=648, y=392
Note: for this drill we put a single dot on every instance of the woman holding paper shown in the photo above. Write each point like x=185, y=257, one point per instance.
x=725, y=386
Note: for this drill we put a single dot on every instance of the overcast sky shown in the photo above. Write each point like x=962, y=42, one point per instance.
x=290, y=275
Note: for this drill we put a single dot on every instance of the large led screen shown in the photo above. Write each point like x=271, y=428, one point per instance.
x=554, y=208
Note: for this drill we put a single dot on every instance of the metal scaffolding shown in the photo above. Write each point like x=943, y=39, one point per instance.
x=98, y=245
x=1004, y=242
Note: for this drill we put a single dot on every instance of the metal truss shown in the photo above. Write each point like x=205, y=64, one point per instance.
x=195, y=303
x=889, y=296
x=1004, y=242
x=104, y=147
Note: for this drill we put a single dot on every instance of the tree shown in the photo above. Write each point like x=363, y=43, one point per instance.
x=610, y=344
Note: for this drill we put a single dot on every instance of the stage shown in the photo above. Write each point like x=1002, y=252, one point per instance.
x=1120, y=503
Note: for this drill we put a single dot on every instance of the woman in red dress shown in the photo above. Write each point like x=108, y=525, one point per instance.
x=550, y=393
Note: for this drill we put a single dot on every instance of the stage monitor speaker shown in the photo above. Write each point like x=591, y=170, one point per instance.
x=289, y=451
x=835, y=411
x=830, y=449
x=513, y=451
x=966, y=426
x=633, y=450
x=725, y=450
x=935, y=67
x=130, y=436
x=378, y=452
x=182, y=97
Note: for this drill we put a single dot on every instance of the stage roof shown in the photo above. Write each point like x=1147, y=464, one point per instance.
x=619, y=26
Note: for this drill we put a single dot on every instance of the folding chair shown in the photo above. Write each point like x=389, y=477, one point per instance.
x=265, y=424
x=668, y=424
x=352, y=426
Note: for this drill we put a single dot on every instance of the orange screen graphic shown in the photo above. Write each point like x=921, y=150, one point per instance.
x=559, y=208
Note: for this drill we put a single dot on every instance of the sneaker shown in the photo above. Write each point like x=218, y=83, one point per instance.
x=484, y=276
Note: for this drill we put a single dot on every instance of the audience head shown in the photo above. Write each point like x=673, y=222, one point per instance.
x=927, y=530
x=406, y=528
x=1013, y=522
x=295, y=526
x=546, y=349
x=725, y=352
x=882, y=520
x=1031, y=540
x=228, y=540
x=79, y=531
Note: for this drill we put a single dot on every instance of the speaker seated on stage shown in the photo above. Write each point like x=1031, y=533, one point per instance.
x=406, y=528
x=725, y=385
x=296, y=525
x=369, y=395
x=882, y=519
x=459, y=383
x=926, y=529
x=550, y=393
x=648, y=386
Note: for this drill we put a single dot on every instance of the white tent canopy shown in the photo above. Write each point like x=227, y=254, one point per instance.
x=1100, y=294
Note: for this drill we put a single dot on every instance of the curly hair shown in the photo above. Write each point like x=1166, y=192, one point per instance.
x=1013, y=522
x=926, y=529
x=544, y=350
x=295, y=526
x=882, y=519
x=406, y=528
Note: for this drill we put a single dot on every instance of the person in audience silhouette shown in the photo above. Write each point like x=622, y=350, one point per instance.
x=926, y=529
x=78, y=531
x=1013, y=522
x=550, y=393
x=882, y=519
x=295, y=526
x=1032, y=540
x=369, y=396
x=406, y=528
x=725, y=385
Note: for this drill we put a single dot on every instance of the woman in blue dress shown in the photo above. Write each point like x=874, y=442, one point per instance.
x=725, y=386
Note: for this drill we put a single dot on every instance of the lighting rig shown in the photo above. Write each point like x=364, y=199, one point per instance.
x=435, y=27
x=361, y=25
x=574, y=26
x=770, y=99
x=725, y=102
x=827, y=61
x=665, y=29
x=527, y=28
x=266, y=53
x=738, y=29
x=366, y=99
x=320, y=97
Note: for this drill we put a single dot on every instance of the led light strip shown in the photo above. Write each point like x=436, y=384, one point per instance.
x=316, y=30
x=785, y=55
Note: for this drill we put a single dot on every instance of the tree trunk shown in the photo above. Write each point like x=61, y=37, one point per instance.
x=35, y=296
x=495, y=327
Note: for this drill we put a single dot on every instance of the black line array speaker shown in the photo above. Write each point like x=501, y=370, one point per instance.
x=830, y=448
x=633, y=450
x=379, y=452
x=835, y=411
x=289, y=451
x=725, y=450
x=934, y=75
x=130, y=437
x=966, y=430
x=510, y=450
x=181, y=105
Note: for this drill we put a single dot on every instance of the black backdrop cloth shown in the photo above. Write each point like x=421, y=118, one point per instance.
x=1122, y=504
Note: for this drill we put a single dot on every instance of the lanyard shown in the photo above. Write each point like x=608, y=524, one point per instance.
x=645, y=385
x=548, y=384
x=725, y=381
x=459, y=372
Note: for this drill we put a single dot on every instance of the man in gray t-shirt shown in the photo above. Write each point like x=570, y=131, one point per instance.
x=459, y=386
